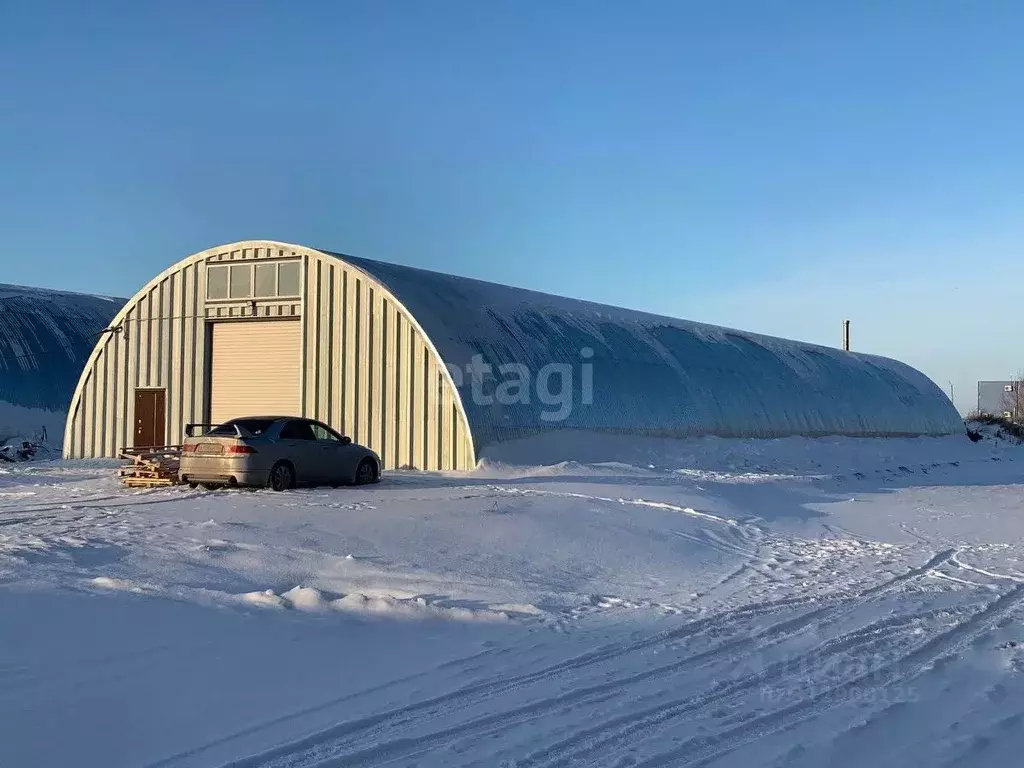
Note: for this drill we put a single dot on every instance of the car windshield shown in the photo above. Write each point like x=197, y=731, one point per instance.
x=254, y=427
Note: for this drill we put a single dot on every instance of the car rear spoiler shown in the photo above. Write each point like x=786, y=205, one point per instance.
x=239, y=431
x=190, y=428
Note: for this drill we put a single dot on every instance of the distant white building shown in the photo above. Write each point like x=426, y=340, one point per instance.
x=1000, y=398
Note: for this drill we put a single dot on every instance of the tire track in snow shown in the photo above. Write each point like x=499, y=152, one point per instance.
x=705, y=750
x=726, y=548
x=955, y=560
x=311, y=710
x=634, y=502
x=76, y=505
x=933, y=562
x=407, y=747
x=471, y=694
x=639, y=724
x=321, y=749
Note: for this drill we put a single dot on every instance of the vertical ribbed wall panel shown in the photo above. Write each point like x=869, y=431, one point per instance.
x=89, y=413
x=362, y=359
x=417, y=404
x=447, y=436
x=167, y=351
x=190, y=293
x=389, y=392
x=115, y=396
x=338, y=347
x=432, y=406
x=350, y=369
x=176, y=350
x=124, y=352
x=312, y=326
x=162, y=336
x=323, y=339
x=381, y=408
x=327, y=345
x=150, y=339
x=128, y=340
x=102, y=383
x=403, y=337
x=373, y=352
x=198, y=329
x=305, y=331
x=138, y=351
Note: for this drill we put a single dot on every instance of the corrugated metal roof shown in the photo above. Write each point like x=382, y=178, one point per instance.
x=45, y=338
x=654, y=374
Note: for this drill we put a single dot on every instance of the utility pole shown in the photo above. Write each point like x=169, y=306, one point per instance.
x=846, y=335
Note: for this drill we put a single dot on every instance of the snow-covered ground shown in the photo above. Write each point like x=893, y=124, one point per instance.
x=791, y=602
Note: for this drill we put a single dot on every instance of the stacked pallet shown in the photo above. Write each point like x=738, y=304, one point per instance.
x=150, y=467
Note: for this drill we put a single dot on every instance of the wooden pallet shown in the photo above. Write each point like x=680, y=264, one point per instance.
x=133, y=481
x=152, y=467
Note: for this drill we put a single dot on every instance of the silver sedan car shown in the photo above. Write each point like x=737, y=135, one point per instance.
x=276, y=451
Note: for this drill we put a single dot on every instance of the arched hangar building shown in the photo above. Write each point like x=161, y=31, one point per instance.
x=45, y=338
x=430, y=369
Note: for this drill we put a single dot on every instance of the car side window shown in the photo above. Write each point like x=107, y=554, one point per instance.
x=297, y=430
x=323, y=434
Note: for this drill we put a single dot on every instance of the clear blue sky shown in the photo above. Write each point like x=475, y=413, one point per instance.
x=775, y=166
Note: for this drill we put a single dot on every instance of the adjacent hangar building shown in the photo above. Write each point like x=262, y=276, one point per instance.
x=46, y=336
x=430, y=369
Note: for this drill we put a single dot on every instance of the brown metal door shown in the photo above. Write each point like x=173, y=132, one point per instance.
x=150, y=417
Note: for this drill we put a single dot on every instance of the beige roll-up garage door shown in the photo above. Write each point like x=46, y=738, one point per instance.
x=255, y=369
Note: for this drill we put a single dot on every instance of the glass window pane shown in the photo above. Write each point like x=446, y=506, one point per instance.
x=266, y=280
x=297, y=430
x=288, y=279
x=322, y=434
x=241, y=281
x=217, y=283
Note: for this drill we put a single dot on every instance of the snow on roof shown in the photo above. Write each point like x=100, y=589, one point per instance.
x=658, y=375
x=45, y=338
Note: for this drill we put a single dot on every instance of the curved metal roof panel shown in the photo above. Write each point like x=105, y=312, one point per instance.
x=45, y=338
x=650, y=374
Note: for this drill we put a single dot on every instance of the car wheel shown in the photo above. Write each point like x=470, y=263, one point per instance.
x=282, y=476
x=367, y=472
x=193, y=486
x=211, y=486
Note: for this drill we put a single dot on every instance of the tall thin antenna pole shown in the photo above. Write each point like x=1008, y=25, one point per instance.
x=846, y=335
